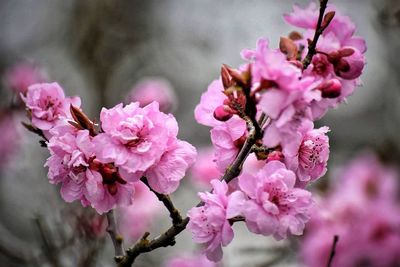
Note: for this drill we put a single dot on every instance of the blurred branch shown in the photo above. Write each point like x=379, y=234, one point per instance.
x=114, y=235
x=50, y=249
x=14, y=248
x=333, y=250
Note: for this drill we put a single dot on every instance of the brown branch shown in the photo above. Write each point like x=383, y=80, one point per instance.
x=144, y=245
x=333, y=250
x=318, y=31
x=235, y=168
x=116, y=238
x=166, y=200
x=168, y=238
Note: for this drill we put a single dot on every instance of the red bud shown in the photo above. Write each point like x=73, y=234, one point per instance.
x=275, y=155
x=226, y=80
x=288, y=47
x=327, y=19
x=295, y=36
x=221, y=114
x=331, y=88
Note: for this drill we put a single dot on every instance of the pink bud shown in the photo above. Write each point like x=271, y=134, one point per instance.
x=275, y=155
x=221, y=114
x=331, y=88
x=355, y=63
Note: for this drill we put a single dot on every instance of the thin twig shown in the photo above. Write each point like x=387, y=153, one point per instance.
x=235, y=168
x=318, y=31
x=333, y=250
x=166, y=200
x=115, y=236
x=168, y=238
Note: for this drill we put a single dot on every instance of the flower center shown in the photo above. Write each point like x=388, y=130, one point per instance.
x=309, y=153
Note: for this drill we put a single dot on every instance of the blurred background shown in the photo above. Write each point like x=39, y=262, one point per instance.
x=99, y=49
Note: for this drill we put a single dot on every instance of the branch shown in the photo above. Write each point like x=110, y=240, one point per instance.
x=115, y=236
x=318, y=31
x=235, y=168
x=166, y=200
x=178, y=224
x=333, y=250
x=144, y=245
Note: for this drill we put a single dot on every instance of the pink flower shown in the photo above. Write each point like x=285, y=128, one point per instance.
x=307, y=155
x=154, y=89
x=303, y=17
x=341, y=27
x=366, y=179
x=134, y=138
x=73, y=164
x=136, y=219
x=347, y=210
x=209, y=102
x=22, y=75
x=284, y=128
x=205, y=169
x=47, y=104
x=164, y=176
x=227, y=139
x=190, y=261
x=275, y=206
x=271, y=65
x=209, y=223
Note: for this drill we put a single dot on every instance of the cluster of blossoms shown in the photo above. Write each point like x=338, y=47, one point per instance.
x=101, y=165
x=264, y=112
x=362, y=209
x=274, y=98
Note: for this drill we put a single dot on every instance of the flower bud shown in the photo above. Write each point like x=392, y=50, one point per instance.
x=331, y=88
x=354, y=66
x=221, y=114
x=275, y=155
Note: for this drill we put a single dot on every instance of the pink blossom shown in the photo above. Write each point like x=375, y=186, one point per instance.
x=72, y=163
x=303, y=17
x=346, y=211
x=209, y=102
x=285, y=127
x=22, y=75
x=342, y=27
x=164, y=176
x=190, y=261
x=366, y=179
x=209, y=223
x=227, y=139
x=307, y=155
x=154, y=89
x=136, y=219
x=271, y=65
x=204, y=169
x=47, y=104
x=134, y=138
x=275, y=207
